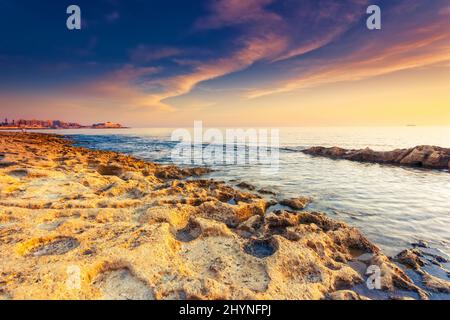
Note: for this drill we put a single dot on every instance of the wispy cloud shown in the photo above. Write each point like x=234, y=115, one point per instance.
x=271, y=38
x=372, y=59
x=123, y=88
x=253, y=49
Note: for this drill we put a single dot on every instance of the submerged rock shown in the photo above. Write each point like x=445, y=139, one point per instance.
x=423, y=263
x=245, y=185
x=435, y=284
x=410, y=258
x=267, y=191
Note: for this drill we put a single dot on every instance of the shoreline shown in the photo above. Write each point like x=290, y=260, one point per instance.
x=163, y=232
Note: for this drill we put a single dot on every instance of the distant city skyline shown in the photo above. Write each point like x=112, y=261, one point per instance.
x=227, y=62
x=54, y=124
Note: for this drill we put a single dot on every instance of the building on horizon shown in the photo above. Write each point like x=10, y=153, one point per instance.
x=107, y=125
x=40, y=124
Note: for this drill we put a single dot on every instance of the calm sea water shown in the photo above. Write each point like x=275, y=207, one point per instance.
x=393, y=206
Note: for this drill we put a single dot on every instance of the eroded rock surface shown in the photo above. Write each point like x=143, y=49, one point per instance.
x=421, y=156
x=85, y=224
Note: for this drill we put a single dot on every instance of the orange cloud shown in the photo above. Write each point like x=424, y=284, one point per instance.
x=267, y=46
x=431, y=45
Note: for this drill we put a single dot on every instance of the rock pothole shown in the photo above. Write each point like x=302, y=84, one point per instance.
x=6, y=164
x=189, y=233
x=260, y=248
x=19, y=173
x=48, y=246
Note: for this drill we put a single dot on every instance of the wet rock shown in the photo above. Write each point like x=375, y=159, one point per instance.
x=435, y=284
x=410, y=258
x=296, y=203
x=245, y=185
x=197, y=172
x=421, y=156
x=320, y=220
x=281, y=219
x=333, y=152
x=427, y=156
x=392, y=277
x=260, y=248
x=421, y=244
x=267, y=191
x=172, y=172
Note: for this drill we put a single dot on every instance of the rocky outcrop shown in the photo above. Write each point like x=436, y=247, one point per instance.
x=299, y=203
x=86, y=224
x=423, y=260
x=421, y=156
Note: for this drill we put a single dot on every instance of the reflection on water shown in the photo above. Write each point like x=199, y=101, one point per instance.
x=393, y=206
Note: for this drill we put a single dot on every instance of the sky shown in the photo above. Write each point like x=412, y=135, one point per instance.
x=166, y=63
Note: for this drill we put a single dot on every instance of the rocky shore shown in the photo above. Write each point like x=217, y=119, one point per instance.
x=430, y=157
x=77, y=223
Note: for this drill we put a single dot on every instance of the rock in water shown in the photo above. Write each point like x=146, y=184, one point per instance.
x=431, y=157
x=299, y=203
